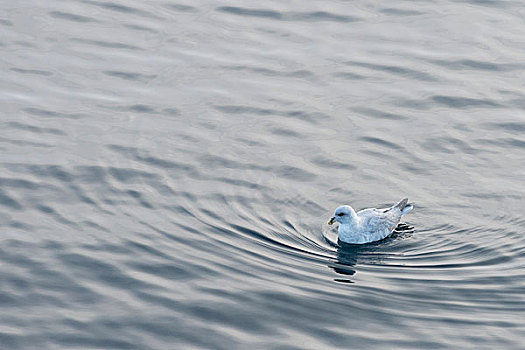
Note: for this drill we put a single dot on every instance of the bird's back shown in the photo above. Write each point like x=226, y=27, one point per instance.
x=377, y=224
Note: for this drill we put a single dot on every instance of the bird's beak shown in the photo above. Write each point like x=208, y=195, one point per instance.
x=332, y=220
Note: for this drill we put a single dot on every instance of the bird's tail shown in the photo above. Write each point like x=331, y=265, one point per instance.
x=407, y=209
x=403, y=206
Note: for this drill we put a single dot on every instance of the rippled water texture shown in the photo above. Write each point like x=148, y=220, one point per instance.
x=167, y=170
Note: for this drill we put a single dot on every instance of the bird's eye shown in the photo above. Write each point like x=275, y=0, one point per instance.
x=340, y=214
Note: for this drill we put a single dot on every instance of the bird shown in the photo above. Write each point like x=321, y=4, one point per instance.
x=368, y=225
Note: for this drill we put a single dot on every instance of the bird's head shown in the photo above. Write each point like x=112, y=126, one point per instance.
x=342, y=214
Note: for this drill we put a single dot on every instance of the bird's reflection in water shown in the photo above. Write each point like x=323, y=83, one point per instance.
x=349, y=255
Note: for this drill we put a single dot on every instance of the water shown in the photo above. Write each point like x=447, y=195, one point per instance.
x=168, y=168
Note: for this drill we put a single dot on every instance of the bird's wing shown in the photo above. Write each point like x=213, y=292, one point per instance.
x=371, y=217
x=368, y=212
x=374, y=219
x=398, y=206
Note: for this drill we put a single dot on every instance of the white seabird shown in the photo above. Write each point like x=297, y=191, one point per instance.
x=368, y=225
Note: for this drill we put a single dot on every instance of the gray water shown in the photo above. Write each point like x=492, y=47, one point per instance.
x=168, y=169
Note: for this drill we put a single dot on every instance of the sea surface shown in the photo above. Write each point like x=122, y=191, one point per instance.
x=168, y=168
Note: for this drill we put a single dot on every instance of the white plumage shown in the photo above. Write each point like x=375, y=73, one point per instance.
x=368, y=225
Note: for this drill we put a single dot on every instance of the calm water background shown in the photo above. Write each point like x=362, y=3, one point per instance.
x=168, y=168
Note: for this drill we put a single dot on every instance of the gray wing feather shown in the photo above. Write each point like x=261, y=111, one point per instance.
x=380, y=221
